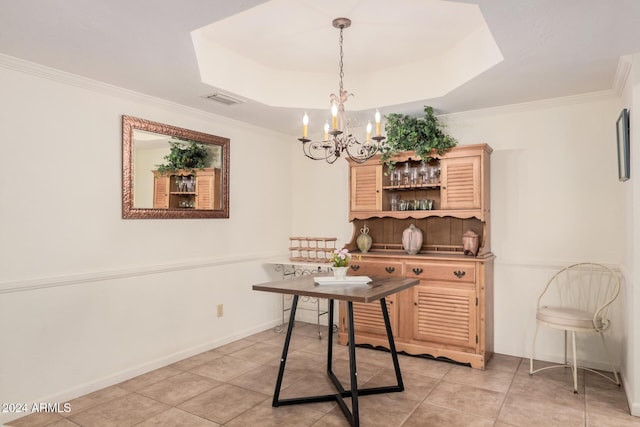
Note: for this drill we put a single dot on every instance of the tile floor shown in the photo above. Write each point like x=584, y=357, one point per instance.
x=233, y=386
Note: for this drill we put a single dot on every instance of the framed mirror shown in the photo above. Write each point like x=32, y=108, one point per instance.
x=171, y=172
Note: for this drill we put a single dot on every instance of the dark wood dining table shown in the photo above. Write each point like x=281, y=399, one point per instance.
x=375, y=290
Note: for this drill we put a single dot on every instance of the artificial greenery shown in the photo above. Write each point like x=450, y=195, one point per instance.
x=423, y=135
x=185, y=154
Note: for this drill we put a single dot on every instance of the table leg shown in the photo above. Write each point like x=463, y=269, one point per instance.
x=355, y=412
x=285, y=351
x=392, y=344
x=330, y=342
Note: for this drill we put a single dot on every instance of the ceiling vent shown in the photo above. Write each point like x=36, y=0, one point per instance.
x=225, y=99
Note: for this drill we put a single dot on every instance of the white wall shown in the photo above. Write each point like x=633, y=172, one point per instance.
x=88, y=299
x=630, y=261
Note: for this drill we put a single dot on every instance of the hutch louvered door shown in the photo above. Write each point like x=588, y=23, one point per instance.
x=368, y=317
x=366, y=182
x=160, y=192
x=460, y=183
x=446, y=315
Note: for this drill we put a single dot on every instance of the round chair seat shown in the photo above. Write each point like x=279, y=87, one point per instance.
x=565, y=317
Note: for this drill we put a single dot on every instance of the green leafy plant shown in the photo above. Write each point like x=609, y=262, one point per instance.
x=185, y=154
x=423, y=135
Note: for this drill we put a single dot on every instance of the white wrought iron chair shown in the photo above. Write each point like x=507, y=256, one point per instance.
x=576, y=299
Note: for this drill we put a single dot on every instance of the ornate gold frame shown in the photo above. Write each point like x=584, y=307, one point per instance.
x=128, y=210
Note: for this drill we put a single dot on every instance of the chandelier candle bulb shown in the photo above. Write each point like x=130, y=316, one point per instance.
x=377, y=123
x=326, y=131
x=368, y=131
x=334, y=114
x=305, y=125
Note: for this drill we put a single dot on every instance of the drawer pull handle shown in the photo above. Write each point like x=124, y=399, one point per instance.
x=417, y=271
x=459, y=274
x=389, y=269
x=355, y=267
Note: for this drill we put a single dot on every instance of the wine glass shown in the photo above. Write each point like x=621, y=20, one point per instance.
x=424, y=171
x=406, y=172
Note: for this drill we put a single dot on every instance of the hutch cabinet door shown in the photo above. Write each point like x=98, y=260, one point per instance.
x=367, y=318
x=445, y=315
x=366, y=186
x=204, y=192
x=460, y=178
x=161, y=192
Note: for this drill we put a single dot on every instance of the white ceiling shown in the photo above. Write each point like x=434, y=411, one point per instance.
x=550, y=48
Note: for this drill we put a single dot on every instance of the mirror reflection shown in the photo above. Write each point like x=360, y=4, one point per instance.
x=170, y=172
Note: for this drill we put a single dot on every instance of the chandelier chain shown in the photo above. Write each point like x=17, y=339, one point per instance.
x=341, y=63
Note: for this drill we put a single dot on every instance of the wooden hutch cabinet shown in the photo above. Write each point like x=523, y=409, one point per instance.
x=450, y=313
x=186, y=189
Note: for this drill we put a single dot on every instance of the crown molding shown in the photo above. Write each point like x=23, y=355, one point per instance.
x=622, y=73
x=64, y=77
x=543, y=103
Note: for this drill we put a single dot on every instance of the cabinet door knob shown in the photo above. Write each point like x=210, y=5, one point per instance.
x=459, y=274
x=389, y=269
x=417, y=271
x=415, y=303
x=355, y=267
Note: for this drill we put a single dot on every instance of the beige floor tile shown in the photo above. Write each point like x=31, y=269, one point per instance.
x=37, y=419
x=123, y=411
x=265, y=415
x=609, y=402
x=427, y=415
x=223, y=403
x=416, y=386
x=496, y=380
x=382, y=410
x=465, y=398
x=554, y=385
x=224, y=368
x=502, y=362
x=177, y=418
x=263, y=336
x=63, y=423
x=312, y=384
x=365, y=371
x=197, y=360
x=602, y=420
x=424, y=366
x=178, y=388
x=259, y=353
x=96, y=398
x=263, y=379
x=299, y=342
x=149, y=378
x=332, y=419
x=234, y=346
x=525, y=410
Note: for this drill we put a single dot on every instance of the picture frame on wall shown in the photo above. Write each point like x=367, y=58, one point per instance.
x=622, y=132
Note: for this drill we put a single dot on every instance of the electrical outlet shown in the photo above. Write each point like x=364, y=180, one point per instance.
x=220, y=309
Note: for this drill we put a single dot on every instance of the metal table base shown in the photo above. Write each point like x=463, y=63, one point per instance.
x=353, y=415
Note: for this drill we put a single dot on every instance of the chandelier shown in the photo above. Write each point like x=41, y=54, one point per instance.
x=338, y=138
